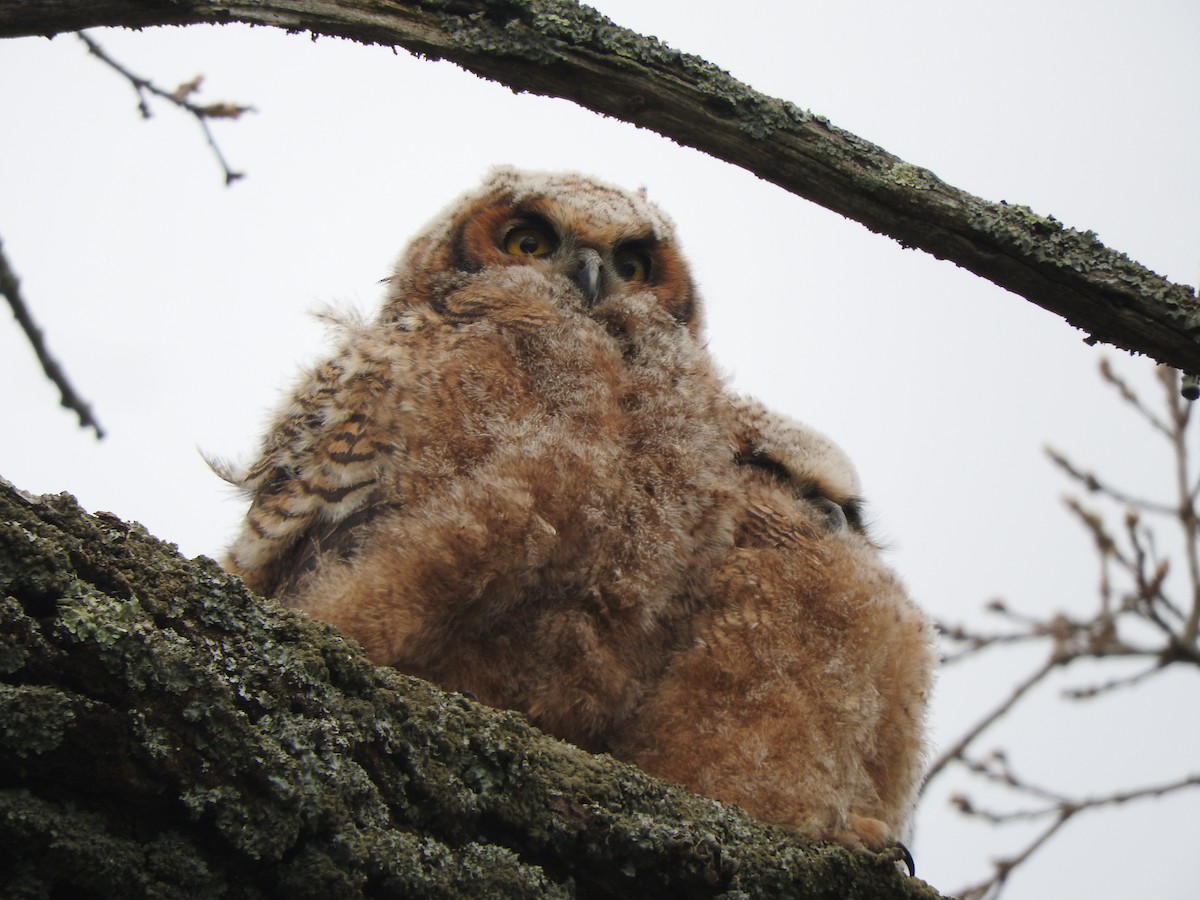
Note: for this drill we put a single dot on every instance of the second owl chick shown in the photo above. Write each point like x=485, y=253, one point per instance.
x=802, y=696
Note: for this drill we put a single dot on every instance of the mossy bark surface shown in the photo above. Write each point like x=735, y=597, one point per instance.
x=163, y=732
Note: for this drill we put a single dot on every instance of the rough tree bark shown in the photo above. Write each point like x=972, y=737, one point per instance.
x=560, y=48
x=163, y=732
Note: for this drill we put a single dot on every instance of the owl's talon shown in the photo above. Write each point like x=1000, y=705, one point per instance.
x=906, y=857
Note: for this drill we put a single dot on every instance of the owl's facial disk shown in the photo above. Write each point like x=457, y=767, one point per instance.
x=600, y=268
x=607, y=243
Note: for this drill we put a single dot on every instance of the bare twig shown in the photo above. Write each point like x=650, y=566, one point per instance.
x=959, y=748
x=1061, y=809
x=1130, y=556
x=975, y=642
x=991, y=887
x=1095, y=690
x=1121, y=386
x=180, y=97
x=10, y=286
x=1095, y=486
x=1180, y=411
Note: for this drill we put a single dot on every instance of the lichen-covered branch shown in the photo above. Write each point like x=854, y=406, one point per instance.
x=165, y=733
x=560, y=48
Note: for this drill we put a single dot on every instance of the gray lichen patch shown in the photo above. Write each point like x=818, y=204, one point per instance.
x=33, y=718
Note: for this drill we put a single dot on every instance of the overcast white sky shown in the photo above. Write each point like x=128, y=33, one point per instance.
x=180, y=308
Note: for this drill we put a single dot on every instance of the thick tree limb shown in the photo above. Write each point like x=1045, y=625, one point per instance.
x=165, y=733
x=559, y=48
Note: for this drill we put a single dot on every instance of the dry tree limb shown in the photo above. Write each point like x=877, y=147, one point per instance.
x=181, y=98
x=974, y=642
x=10, y=287
x=991, y=887
x=560, y=48
x=1139, y=596
x=958, y=750
x=1092, y=691
x=1127, y=393
x=1059, y=808
x=1095, y=486
x=1186, y=487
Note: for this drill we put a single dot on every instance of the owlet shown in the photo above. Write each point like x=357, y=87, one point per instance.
x=526, y=479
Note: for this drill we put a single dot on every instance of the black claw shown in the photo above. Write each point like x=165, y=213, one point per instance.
x=907, y=859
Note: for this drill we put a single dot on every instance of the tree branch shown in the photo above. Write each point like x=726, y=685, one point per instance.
x=1097, y=635
x=559, y=48
x=163, y=732
x=179, y=97
x=10, y=287
x=959, y=748
x=1004, y=867
x=1095, y=486
x=1061, y=809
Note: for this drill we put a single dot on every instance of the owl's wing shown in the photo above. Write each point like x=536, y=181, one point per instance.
x=814, y=468
x=317, y=480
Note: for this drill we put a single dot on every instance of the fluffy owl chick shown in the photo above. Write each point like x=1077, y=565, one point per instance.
x=815, y=468
x=515, y=480
x=802, y=696
x=525, y=479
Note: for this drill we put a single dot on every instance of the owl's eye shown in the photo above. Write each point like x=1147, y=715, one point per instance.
x=632, y=265
x=528, y=241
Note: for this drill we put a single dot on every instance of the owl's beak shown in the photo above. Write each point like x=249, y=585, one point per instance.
x=587, y=276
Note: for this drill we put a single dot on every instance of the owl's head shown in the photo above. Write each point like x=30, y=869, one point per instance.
x=604, y=241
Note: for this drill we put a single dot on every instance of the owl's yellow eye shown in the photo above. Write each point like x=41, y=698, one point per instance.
x=632, y=265
x=528, y=241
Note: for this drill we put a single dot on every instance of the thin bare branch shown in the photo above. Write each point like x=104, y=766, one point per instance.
x=10, y=286
x=1109, y=551
x=1188, y=520
x=1131, y=551
x=1031, y=629
x=1095, y=486
x=1150, y=577
x=180, y=98
x=976, y=642
x=1158, y=790
x=1130, y=396
x=991, y=887
x=1090, y=693
x=995, y=768
x=959, y=748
